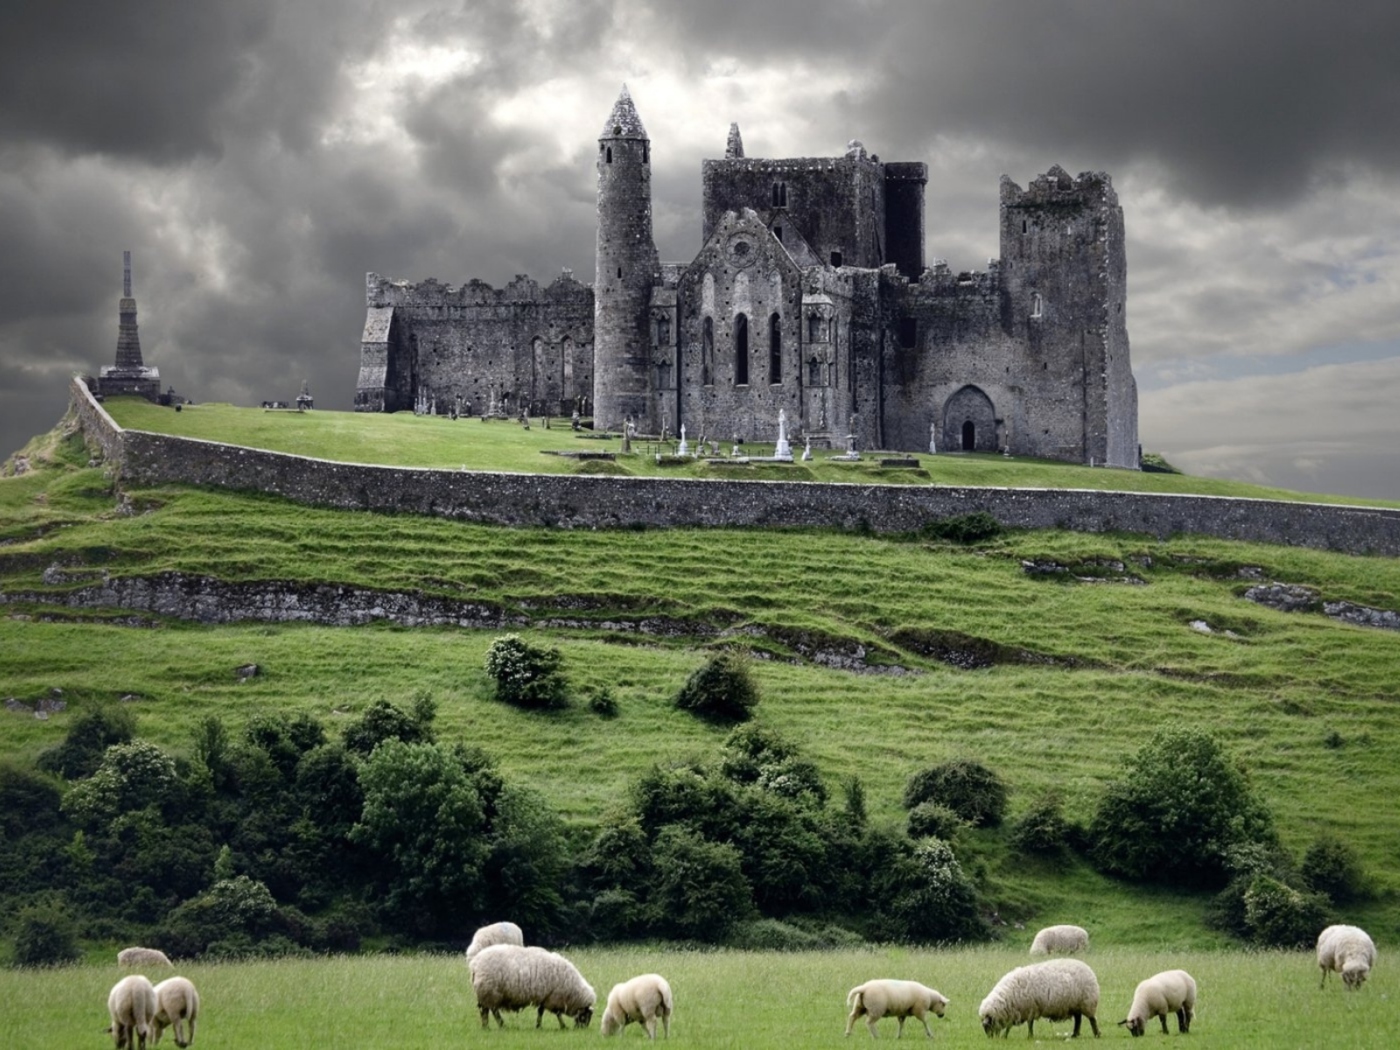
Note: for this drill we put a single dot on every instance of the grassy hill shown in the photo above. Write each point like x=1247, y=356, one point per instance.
x=1071, y=671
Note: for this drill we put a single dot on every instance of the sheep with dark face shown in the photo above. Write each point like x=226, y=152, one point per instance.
x=900, y=999
x=1054, y=990
x=509, y=977
x=1349, y=951
x=1168, y=992
x=131, y=1004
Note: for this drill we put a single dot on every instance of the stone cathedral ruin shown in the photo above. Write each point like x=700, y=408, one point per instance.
x=809, y=296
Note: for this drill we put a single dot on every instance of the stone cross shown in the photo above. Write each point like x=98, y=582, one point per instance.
x=933, y=438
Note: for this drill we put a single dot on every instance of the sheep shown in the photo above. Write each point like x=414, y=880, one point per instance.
x=142, y=957
x=1067, y=939
x=177, y=1007
x=1349, y=951
x=1055, y=990
x=131, y=1004
x=642, y=999
x=509, y=977
x=1168, y=992
x=496, y=933
x=882, y=998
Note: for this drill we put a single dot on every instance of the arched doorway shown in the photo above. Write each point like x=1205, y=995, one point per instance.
x=970, y=421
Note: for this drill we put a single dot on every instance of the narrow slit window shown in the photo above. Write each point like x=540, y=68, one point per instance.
x=775, y=349
x=1037, y=305
x=741, y=350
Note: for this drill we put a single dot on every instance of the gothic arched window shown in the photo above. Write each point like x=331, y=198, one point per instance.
x=741, y=350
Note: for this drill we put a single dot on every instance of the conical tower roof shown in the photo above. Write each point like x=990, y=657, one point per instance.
x=624, y=122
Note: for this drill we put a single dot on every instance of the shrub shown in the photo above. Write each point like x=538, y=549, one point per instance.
x=385, y=721
x=131, y=777
x=968, y=788
x=722, y=690
x=526, y=675
x=1176, y=812
x=934, y=820
x=44, y=936
x=699, y=890
x=928, y=898
x=602, y=703
x=88, y=739
x=777, y=935
x=1333, y=867
x=1278, y=916
x=1042, y=829
x=963, y=528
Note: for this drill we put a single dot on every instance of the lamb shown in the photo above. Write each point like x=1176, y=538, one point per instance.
x=1055, y=990
x=881, y=998
x=177, y=1007
x=642, y=999
x=496, y=933
x=131, y=1004
x=1067, y=939
x=1349, y=950
x=509, y=977
x=1168, y=992
x=142, y=957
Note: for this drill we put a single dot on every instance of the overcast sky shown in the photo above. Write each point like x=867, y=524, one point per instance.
x=257, y=157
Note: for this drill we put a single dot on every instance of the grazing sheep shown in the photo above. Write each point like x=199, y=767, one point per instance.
x=1055, y=990
x=642, y=999
x=1057, y=939
x=885, y=998
x=142, y=957
x=177, y=1007
x=496, y=933
x=131, y=1005
x=509, y=977
x=1168, y=992
x=1349, y=951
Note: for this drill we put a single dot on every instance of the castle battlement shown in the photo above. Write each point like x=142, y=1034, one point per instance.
x=382, y=292
x=1056, y=187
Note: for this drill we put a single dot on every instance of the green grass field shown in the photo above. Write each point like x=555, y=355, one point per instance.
x=404, y=440
x=745, y=1001
x=1082, y=671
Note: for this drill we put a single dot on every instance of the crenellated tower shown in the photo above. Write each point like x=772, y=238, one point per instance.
x=627, y=268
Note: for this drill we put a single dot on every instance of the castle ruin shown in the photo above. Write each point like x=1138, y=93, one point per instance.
x=808, y=296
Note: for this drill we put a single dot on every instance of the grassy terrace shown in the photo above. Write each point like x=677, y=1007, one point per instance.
x=1079, y=672
x=405, y=440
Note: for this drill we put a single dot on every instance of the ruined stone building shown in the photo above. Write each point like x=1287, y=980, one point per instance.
x=809, y=295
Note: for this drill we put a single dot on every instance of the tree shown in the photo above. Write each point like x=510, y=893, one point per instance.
x=927, y=898
x=722, y=690
x=131, y=777
x=699, y=890
x=968, y=788
x=44, y=936
x=385, y=721
x=88, y=739
x=1179, y=807
x=423, y=819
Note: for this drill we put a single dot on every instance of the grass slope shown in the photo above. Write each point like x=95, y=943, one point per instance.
x=1079, y=674
x=754, y=1001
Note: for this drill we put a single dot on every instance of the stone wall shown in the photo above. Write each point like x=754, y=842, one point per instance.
x=581, y=501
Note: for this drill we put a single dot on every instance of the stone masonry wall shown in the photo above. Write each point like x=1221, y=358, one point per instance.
x=583, y=501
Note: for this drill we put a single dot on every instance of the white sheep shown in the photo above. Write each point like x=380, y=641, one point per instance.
x=1349, y=950
x=1055, y=990
x=1057, y=939
x=509, y=977
x=642, y=999
x=496, y=933
x=142, y=957
x=177, y=1007
x=131, y=1004
x=886, y=998
x=1168, y=992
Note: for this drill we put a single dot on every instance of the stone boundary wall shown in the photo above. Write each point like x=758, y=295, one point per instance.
x=586, y=501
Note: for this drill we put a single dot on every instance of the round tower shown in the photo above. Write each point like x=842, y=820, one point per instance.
x=627, y=268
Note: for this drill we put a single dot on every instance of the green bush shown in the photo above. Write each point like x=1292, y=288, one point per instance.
x=968, y=788
x=963, y=528
x=44, y=936
x=699, y=891
x=1175, y=813
x=385, y=721
x=722, y=690
x=603, y=703
x=88, y=739
x=1042, y=829
x=527, y=675
x=927, y=898
x=934, y=820
x=1278, y=916
x=1333, y=867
